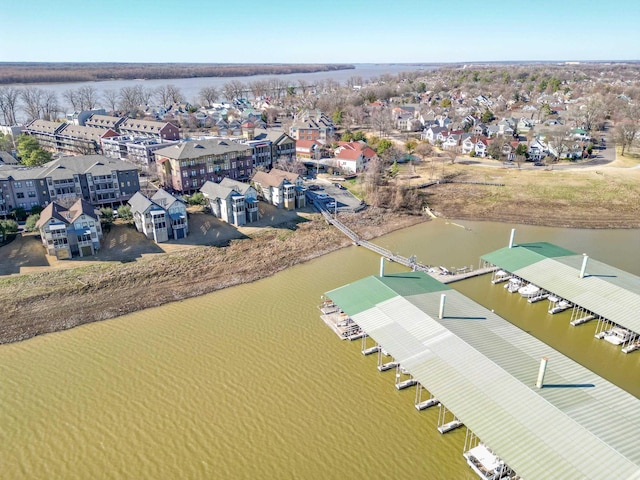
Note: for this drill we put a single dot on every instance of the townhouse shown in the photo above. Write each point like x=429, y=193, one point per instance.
x=68, y=232
x=314, y=126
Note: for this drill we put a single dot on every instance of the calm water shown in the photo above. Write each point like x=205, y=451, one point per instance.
x=248, y=382
x=190, y=87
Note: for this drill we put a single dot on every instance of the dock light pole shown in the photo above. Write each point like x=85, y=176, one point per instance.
x=585, y=259
x=443, y=299
x=513, y=236
x=382, y=266
x=542, y=371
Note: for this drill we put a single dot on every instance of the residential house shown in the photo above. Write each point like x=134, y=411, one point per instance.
x=308, y=149
x=450, y=140
x=250, y=197
x=524, y=125
x=430, y=134
x=176, y=213
x=187, y=166
x=102, y=121
x=68, y=232
x=283, y=146
x=353, y=157
x=537, y=150
x=150, y=129
x=280, y=188
x=476, y=144
x=226, y=203
x=150, y=218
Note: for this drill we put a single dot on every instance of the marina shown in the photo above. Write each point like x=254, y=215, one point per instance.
x=592, y=290
x=420, y=324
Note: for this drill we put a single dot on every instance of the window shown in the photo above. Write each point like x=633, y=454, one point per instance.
x=20, y=195
x=28, y=183
x=185, y=173
x=17, y=184
x=32, y=194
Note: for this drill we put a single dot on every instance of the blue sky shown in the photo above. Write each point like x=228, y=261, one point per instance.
x=286, y=31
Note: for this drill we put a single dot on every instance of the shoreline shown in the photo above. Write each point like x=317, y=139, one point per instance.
x=52, y=301
x=47, y=302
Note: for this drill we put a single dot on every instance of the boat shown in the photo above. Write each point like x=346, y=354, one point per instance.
x=500, y=276
x=513, y=285
x=617, y=335
x=554, y=299
x=529, y=290
x=561, y=306
x=486, y=464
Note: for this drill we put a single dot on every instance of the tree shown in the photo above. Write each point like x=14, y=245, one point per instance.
x=9, y=104
x=111, y=98
x=38, y=157
x=32, y=98
x=487, y=116
x=124, y=212
x=209, y=95
x=338, y=116
x=88, y=97
x=50, y=107
x=197, y=198
x=232, y=90
x=7, y=227
x=521, y=149
x=359, y=136
x=381, y=122
x=30, y=225
x=383, y=146
x=19, y=213
x=6, y=142
x=26, y=145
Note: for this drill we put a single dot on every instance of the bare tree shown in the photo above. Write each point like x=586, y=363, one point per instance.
x=9, y=104
x=111, y=99
x=208, y=95
x=32, y=98
x=131, y=98
x=162, y=95
x=258, y=88
x=175, y=94
x=50, y=106
x=72, y=98
x=627, y=127
x=88, y=97
x=381, y=122
x=232, y=90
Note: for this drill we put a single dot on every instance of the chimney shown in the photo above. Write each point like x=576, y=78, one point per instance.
x=382, y=266
x=513, y=236
x=585, y=259
x=443, y=299
x=542, y=371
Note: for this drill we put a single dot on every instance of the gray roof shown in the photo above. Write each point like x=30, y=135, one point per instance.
x=85, y=133
x=44, y=126
x=484, y=369
x=164, y=198
x=201, y=148
x=140, y=203
x=215, y=190
x=7, y=159
x=605, y=290
x=65, y=167
x=235, y=185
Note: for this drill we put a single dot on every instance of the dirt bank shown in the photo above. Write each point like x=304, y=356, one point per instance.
x=56, y=300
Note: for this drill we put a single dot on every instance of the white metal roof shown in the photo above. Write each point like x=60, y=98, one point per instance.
x=484, y=370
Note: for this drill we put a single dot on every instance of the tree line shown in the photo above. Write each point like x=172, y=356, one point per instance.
x=11, y=73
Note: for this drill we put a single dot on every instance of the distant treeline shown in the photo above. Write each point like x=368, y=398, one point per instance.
x=86, y=72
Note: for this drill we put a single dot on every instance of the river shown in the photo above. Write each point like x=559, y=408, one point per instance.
x=248, y=382
x=190, y=87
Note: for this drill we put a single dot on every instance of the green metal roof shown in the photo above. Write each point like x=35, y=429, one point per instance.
x=364, y=294
x=512, y=259
x=604, y=290
x=484, y=370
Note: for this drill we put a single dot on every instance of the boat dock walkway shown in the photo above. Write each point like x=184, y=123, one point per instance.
x=441, y=274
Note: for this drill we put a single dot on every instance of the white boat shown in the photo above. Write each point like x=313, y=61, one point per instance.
x=500, y=276
x=617, y=335
x=552, y=298
x=485, y=464
x=561, y=306
x=513, y=285
x=529, y=291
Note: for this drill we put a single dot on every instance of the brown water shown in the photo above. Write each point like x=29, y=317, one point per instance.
x=248, y=382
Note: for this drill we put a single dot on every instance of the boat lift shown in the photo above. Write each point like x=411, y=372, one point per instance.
x=445, y=426
x=368, y=350
x=400, y=374
x=424, y=404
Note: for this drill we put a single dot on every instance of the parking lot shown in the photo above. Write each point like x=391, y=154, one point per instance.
x=332, y=195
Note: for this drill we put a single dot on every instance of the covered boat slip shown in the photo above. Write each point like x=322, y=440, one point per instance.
x=484, y=370
x=607, y=292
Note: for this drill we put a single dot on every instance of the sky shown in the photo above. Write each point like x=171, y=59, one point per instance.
x=329, y=31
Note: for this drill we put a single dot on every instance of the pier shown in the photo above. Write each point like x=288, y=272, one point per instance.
x=441, y=274
x=594, y=291
x=520, y=420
